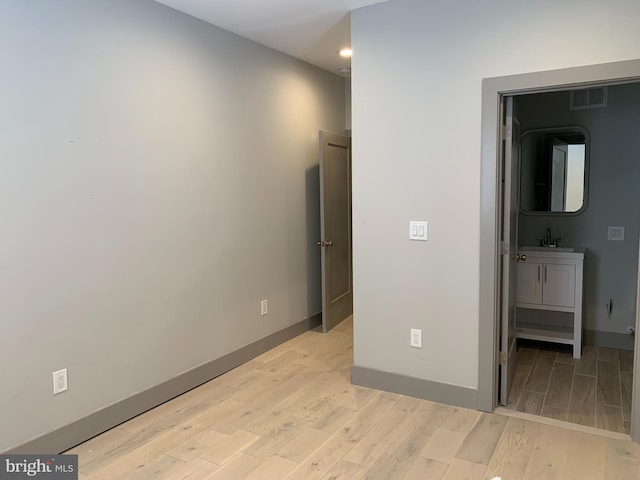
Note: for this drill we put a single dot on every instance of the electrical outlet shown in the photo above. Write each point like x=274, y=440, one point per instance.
x=416, y=338
x=60, y=383
x=264, y=307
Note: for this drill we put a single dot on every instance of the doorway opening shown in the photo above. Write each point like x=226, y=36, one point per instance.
x=531, y=389
x=575, y=285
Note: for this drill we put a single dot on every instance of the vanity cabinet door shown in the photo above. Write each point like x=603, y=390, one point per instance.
x=559, y=285
x=530, y=282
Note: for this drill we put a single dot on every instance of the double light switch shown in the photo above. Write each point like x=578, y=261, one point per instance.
x=417, y=230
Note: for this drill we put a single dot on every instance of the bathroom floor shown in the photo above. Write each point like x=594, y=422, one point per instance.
x=594, y=390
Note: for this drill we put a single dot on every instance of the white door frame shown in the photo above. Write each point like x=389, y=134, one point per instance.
x=493, y=90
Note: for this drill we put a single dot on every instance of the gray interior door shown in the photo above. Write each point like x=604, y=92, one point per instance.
x=510, y=207
x=559, y=175
x=335, y=220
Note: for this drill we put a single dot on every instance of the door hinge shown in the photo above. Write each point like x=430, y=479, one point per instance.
x=505, y=132
x=504, y=248
x=502, y=358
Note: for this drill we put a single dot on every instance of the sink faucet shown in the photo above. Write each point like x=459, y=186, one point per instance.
x=547, y=241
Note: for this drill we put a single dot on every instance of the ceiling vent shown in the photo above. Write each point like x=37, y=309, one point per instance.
x=588, y=98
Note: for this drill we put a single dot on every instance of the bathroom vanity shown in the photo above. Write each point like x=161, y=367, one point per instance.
x=551, y=279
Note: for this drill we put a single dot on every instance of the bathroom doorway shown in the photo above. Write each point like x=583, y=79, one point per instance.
x=579, y=165
x=543, y=371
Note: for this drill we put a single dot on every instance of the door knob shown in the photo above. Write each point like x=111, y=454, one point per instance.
x=322, y=243
x=521, y=258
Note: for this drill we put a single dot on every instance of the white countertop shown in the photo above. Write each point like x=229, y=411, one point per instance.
x=554, y=252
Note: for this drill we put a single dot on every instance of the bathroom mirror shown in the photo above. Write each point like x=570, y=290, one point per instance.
x=554, y=167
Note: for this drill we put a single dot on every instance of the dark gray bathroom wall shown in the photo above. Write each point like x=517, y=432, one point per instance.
x=614, y=200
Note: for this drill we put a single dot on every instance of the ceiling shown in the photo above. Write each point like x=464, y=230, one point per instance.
x=311, y=30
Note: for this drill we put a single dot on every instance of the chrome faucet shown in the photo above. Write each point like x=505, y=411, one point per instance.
x=547, y=241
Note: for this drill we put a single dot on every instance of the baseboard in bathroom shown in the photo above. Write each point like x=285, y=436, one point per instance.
x=599, y=338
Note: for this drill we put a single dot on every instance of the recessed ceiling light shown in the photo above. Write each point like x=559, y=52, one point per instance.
x=346, y=52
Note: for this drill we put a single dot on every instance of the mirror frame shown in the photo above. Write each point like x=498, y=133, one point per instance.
x=587, y=168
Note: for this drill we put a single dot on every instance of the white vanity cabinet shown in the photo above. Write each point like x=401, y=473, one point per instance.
x=551, y=279
x=548, y=284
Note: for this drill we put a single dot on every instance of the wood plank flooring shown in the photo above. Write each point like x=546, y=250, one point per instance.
x=594, y=391
x=292, y=413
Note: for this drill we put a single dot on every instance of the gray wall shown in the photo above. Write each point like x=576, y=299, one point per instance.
x=611, y=266
x=159, y=178
x=416, y=156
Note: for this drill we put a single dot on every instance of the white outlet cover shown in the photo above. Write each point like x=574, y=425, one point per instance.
x=416, y=338
x=264, y=307
x=60, y=383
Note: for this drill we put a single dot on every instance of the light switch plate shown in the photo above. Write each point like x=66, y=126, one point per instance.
x=418, y=230
x=615, y=233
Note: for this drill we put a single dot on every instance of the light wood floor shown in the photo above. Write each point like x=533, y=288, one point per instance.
x=594, y=391
x=293, y=414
